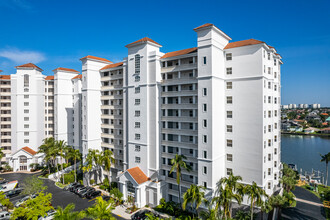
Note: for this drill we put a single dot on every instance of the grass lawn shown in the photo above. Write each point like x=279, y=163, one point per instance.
x=321, y=190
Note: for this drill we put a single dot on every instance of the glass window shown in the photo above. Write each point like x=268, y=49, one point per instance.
x=228, y=56
x=137, y=63
x=229, y=71
x=26, y=80
x=229, y=85
x=229, y=128
x=229, y=157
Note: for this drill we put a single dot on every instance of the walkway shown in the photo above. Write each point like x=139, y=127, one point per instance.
x=309, y=207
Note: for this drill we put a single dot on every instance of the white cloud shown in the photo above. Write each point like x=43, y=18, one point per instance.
x=21, y=56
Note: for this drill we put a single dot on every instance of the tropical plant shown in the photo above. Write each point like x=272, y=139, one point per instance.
x=47, y=148
x=61, y=148
x=178, y=164
x=209, y=214
x=255, y=195
x=68, y=213
x=5, y=202
x=75, y=155
x=227, y=190
x=326, y=158
x=34, y=208
x=289, y=178
x=195, y=196
x=32, y=184
x=1, y=155
x=101, y=210
x=241, y=215
x=107, y=161
x=87, y=166
x=117, y=195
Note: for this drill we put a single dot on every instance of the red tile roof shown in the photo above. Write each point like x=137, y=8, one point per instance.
x=66, y=69
x=49, y=78
x=204, y=25
x=112, y=65
x=138, y=175
x=29, y=65
x=4, y=77
x=179, y=52
x=29, y=150
x=96, y=58
x=79, y=76
x=243, y=43
x=145, y=39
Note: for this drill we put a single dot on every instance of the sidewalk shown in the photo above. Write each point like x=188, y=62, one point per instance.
x=120, y=211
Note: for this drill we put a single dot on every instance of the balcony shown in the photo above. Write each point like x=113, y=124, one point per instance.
x=179, y=118
x=105, y=88
x=182, y=67
x=180, y=106
x=107, y=97
x=111, y=106
x=113, y=77
x=180, y=131
x=113, y=136
x=177, y=81
x=104, y=116
x=180, y=144
x=111, y=126
x=180, y=93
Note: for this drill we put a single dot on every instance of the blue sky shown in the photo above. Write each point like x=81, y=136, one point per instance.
x=57, y=33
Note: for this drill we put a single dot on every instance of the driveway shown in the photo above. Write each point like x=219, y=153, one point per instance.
x=308, y=207
x=60, y=197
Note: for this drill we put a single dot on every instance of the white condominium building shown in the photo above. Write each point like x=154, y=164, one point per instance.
x=29, y=114
x=218, y=104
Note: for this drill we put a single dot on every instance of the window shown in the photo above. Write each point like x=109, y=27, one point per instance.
x=137, y=159
x=269, y=185
x=204, y=107
x=26, y=133
x=275, y=163
x=204, y=170
x=269, y=85
x=275, y=176
x=26, y=126
x=275, y=113
x=269, y=99
x=229, y=128
x=204, y=91
x=268, y=56
x=137, y=124
x=269, y=128
x=275, y=151
x=229, y=143
x=204, y=123
x=204, y=154
x=229, y=114
x=275, y=138
x=269, y=70
x=26, y=141
x=137, y=101
x=229, y=100
x=204, y=138
x=137, y=136
x=269, y=157
x=275, y=87
x=229, y=157
x=137, y=63
x=137, y=148
x=269, y=142
x=205, y=184
x=26, y=96
x=229, y=85
x=137, y=89
x=269, y=171
x=229, y=171
x=137, y=113
x=229, y=71
x=269, y=114
x=26, y=118
x=275, y=62
x=275, y=125
x=26, y=104
x=137, y=78
x=26, y=110
x=204, y=60
x=26, y=80
x=228, y=56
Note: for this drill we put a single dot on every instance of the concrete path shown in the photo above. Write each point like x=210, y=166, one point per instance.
x=120, y=211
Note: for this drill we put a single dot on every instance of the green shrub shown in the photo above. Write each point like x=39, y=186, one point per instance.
x=114, y=185
x=92, y=181
x=102, y=187
x=68, y=178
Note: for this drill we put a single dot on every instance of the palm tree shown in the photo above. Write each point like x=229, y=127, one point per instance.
x=228, y=189
x=76, y=155
x=87, y=165
x=46, y=148
x=326, y=158
x=178, y=164
x=61, y=146
x=108, y=160
x=195, y=196
x=101, y=210
x=255, y=195
x=1, y=155
x=67, y=213
x=209, y=214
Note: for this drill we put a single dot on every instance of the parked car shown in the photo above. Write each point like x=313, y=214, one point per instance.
x=22, y=200
x=14, y=192
x=68, y=187
x=80, y=189
x=84, y=192
x=93, y=194
x=50, y=215
x=106, y=198
x=4, y=215
x=73, y=188
x=141, y=215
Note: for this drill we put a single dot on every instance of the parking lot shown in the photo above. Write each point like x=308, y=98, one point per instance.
x=60, y=197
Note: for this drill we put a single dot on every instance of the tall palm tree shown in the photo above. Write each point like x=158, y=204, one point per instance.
x=209, y=214
x=101, y=210
x=87, y=165
x=61, y=146
x=108, y=160
x=178, y=164
x=326, y=158
x=98, y=161
x=255, y=195
x=227, y=190
x=67, y=213
x=1, y=155
x=46, y=148
x=75, y=155
x=195, y=196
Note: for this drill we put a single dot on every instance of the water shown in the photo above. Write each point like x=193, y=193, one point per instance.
x=304, y=151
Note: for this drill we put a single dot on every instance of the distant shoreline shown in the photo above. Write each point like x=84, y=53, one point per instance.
x=303, y=134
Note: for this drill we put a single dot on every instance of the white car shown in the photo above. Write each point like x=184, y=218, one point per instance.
x=24, y=199
x=49, y=216
x=4, y=215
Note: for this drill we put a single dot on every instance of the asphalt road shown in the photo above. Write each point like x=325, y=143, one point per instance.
x=304, y=211
x=60, y=197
